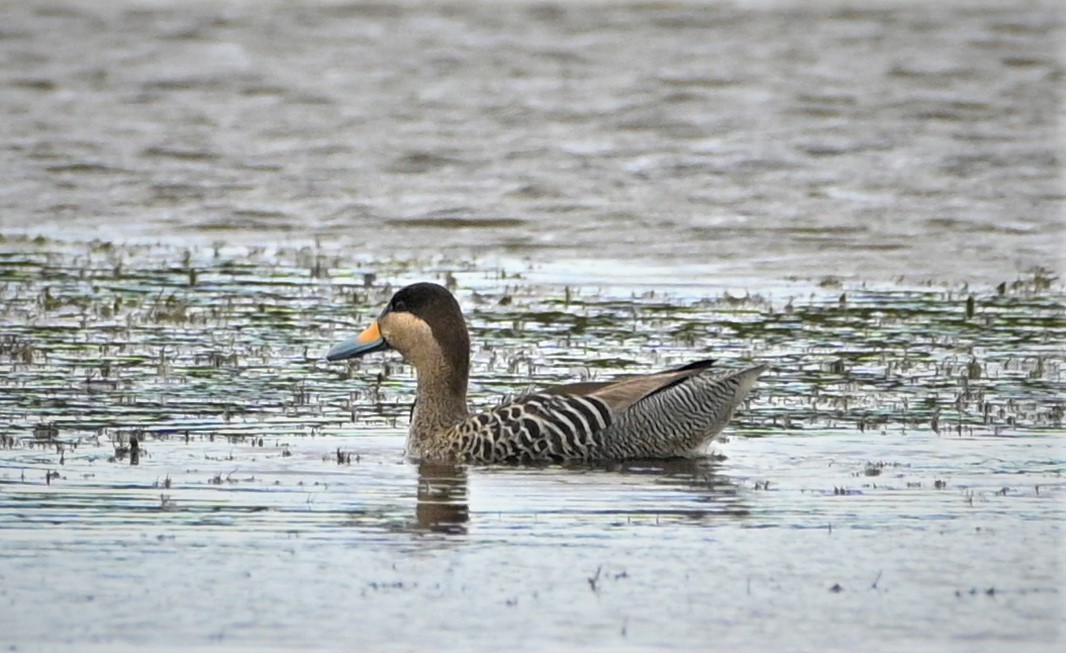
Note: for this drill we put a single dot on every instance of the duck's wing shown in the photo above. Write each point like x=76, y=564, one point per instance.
x=626, y=389
x=620, y=394
x=663, y=416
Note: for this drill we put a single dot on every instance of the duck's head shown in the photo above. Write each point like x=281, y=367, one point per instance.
x=424, y=323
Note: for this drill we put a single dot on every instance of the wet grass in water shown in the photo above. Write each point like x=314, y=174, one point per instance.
x=101, y=340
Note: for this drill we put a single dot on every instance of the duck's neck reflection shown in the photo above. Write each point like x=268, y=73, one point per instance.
x=442, y=498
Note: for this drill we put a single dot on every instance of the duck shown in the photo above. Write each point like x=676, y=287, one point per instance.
x=669, y=414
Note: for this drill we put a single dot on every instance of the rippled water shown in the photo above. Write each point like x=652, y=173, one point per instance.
x=842, y=138
x=199, y=199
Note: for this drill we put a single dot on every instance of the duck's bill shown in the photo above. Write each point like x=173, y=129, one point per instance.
x=364, y=343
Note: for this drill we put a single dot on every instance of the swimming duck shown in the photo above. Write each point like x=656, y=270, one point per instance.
x=667, y=414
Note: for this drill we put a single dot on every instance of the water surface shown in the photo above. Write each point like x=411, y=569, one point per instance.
x=199, y=200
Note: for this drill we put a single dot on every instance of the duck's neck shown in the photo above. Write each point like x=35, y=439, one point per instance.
x=440, y=404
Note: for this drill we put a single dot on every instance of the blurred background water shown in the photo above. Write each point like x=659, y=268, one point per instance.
x=198, y=198
x=778, y=138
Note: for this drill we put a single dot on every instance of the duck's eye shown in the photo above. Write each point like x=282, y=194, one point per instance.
x=399, y=305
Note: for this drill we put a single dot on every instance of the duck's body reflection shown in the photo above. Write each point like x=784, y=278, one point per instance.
x=443, y=494
x=442, y=498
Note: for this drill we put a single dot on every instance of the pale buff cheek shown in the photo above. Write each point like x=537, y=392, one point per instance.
x=411, y=337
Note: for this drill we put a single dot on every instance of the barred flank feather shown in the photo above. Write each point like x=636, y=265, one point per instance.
x=534, y=428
